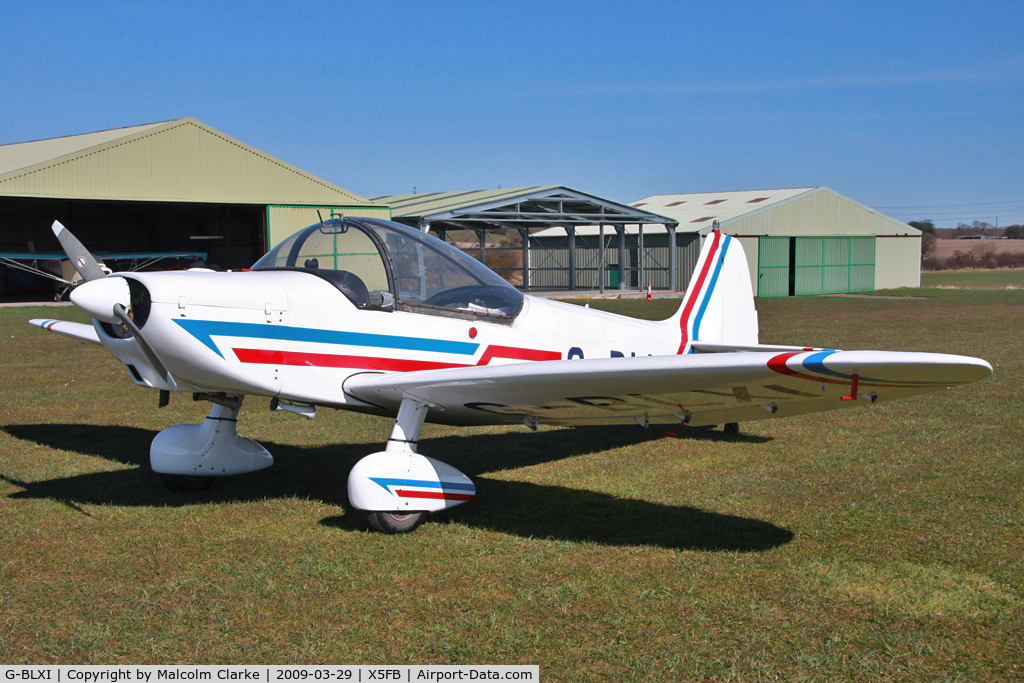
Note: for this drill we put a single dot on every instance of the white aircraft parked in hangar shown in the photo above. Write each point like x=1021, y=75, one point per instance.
x=368, y=315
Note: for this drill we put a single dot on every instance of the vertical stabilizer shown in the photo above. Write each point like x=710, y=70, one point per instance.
x=719, y=303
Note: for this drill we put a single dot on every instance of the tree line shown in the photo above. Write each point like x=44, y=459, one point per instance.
x=979, y=255
x=1011, y=232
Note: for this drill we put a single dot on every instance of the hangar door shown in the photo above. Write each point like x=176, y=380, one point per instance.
x=789, y=266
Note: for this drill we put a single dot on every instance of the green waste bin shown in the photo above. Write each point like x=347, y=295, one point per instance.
x=613, y=276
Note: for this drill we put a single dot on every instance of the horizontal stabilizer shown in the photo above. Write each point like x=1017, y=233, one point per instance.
x=68, y=329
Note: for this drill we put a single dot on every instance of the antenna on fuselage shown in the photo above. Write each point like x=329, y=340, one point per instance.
x=321, y=218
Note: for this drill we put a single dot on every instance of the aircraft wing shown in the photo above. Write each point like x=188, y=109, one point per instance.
x=33, y=256
x=68, y=329
x=141, y=255
x=706, y=388
x=110, y=255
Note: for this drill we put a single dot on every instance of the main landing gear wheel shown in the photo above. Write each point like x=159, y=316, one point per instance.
x=180, y=483
x=731, y=428
x=394, y=522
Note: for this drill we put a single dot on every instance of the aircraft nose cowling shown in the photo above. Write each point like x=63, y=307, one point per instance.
x=97, y=297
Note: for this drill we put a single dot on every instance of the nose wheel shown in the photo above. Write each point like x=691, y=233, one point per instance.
x=394, y=522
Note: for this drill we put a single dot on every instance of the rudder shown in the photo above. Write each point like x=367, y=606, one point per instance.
x=719, y=303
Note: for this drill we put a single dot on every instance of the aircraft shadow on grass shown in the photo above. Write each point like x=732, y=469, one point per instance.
x=519, y=508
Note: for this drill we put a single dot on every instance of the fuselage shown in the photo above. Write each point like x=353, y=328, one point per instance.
x=296, y=336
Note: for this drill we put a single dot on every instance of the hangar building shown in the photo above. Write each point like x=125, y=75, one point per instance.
x=797, y=241
x=569, y=262
x=169, y=186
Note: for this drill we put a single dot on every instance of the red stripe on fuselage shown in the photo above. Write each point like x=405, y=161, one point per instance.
x=434, y=495
x=515, y=353
x=695, y=294
x=328, y=360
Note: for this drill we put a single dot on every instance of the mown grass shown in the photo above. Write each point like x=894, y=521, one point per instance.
x=879, y=543
x=981, y=278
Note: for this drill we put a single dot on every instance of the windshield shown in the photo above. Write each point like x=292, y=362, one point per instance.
x=384, y=265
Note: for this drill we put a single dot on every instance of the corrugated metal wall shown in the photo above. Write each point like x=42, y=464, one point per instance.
x=549, y=261
x=283, y=221
x=688, y=245
x=897, y=262
x=750, y=250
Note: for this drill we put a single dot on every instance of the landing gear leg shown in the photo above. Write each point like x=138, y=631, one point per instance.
x=397, y=488
x=405, y=436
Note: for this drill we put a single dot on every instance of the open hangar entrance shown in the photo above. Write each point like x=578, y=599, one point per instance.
x=506, y=229
x=174, y=186
x=230, y=235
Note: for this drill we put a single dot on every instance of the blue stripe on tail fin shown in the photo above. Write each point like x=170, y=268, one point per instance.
x=719, y=303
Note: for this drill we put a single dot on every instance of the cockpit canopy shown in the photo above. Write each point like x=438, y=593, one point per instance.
x=380, y=265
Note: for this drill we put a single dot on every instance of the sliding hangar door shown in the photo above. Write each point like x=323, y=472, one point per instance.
x=791, y=266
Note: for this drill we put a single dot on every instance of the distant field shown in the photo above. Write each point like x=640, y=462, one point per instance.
x=878, y=543
x=946, y=248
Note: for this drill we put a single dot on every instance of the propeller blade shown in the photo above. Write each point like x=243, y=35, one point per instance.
x=84, y=262
x=122, y=314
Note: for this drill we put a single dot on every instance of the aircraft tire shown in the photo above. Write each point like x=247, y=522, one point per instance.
x=392, y=523
x=179, y=483
x=731, y=428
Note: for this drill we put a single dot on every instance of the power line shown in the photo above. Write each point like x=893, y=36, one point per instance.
x=954, y=216
x=928, y=207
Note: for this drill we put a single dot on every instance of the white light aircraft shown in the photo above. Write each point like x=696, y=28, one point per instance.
x=368, y=315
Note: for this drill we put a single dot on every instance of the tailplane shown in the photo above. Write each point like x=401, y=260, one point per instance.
x=719, y=303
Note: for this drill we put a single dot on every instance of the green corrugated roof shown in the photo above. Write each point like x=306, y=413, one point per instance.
x=178, y=160
x=24, y=154
x=416, y=205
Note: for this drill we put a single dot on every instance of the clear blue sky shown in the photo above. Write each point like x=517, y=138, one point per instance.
x=912, y=108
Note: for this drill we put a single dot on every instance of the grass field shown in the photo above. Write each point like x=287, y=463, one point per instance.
x=981, y=278
x=880, y=543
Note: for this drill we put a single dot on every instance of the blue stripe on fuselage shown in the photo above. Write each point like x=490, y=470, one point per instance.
x=205, y=330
